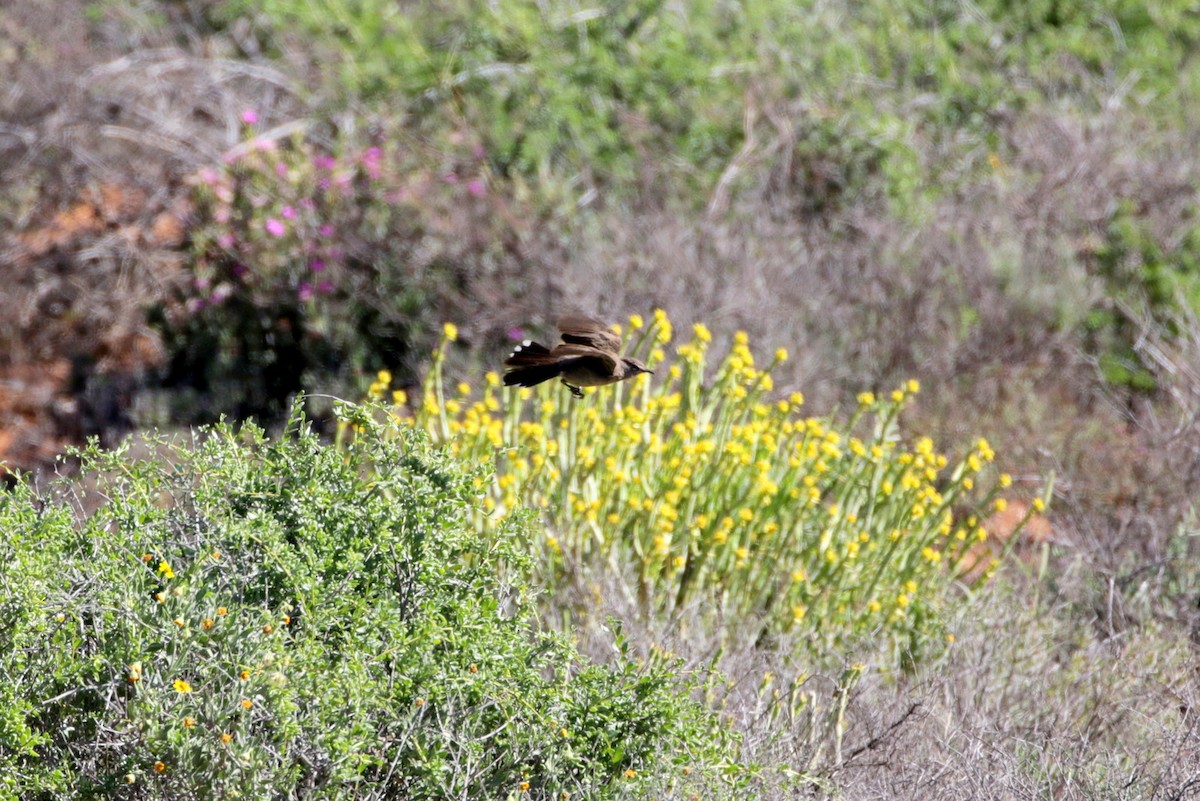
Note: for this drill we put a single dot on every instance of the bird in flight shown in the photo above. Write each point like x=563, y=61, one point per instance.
x=589, y=357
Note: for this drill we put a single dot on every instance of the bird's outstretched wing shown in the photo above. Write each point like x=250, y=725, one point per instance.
x=578, y=329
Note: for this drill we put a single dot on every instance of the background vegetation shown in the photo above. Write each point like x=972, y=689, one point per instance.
x=209, y=206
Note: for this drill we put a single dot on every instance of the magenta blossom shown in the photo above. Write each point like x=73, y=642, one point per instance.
x=450, y=178
x=325, y=287
x=325, y=230
x=250, y=117
x=476, y=187
x=226, y=241
x=281, y=170
x=323, y=162
x=516, y=334
x=304, y=292
x=288, y=212
x=317, y=265
x=275, y=227
x=308, y=203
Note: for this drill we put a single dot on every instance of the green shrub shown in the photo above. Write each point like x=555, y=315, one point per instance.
x=708, y=491
x=256, y=619
x=1146, y=284
x=308, y=266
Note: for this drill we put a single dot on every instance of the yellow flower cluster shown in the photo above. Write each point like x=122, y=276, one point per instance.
x=713, y=489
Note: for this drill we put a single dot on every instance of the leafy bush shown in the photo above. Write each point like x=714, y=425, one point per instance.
x=1145, y=283
x=257, y=619
x=309, y=266
x=712, y=493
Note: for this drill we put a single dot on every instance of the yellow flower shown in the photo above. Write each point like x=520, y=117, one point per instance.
x=179, y=622
x=913, y=386
x=866, y=398
x=135, y=672
x=207, y=623
x=182, y=686
x=247, y=703
x=159, y=767
x=222, y=611
x=781, y=355
x=244, y=675
x=702, y=333
x=166, y=570
x=189, y=722
x=523, y=787
x=636, y=322
x=226, y=738
x=631, y=773
x=384, y=376
x=1039, y=505
x=902, y=600
x=1005, y=480
x=1001, y=504
x=450, y=331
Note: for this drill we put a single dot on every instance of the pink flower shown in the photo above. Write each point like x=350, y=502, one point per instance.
x=479, y=152
x=281, y=170
x=317, y=265
x=371, y=159
x=308, y=203
x=250, y=117
x=209, y=176
x=450, y=178
x=275, y=227
x=476, y=187
x=288, y=212
x=325, y=287
x=304, y=292
x=240, y=270
x=516, y=334
x=323, y=162
x=325, y=230
x=226, y=241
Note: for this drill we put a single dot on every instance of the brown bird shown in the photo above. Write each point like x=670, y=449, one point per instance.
x=588, y=357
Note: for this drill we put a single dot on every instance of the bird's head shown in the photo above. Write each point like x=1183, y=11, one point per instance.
x=635, y=366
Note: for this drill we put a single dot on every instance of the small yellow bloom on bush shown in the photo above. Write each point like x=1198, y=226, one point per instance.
x=189, y=722
x=1005, y=481
x=419, y=702
x=1001, y=504
x=226, y=738
x=180, y=622
x=523, y=787
x=147, y=557
x=1039, y=505
x=244, y=675
x=247, y=703
x=165, y=570
x=781, y=355
x=636, y=322
x=222, y=611
x=207, y=623
x=182, y=686
x=268, y=628
x=450, y=331
x=630, y=773
x=159, y=767
x=135, y=672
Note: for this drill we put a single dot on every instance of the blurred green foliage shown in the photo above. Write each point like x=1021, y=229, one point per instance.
x=261, y=618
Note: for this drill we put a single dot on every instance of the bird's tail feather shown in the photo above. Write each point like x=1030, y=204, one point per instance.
x=527, y=353
x=531, y=375
x=533, y=364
